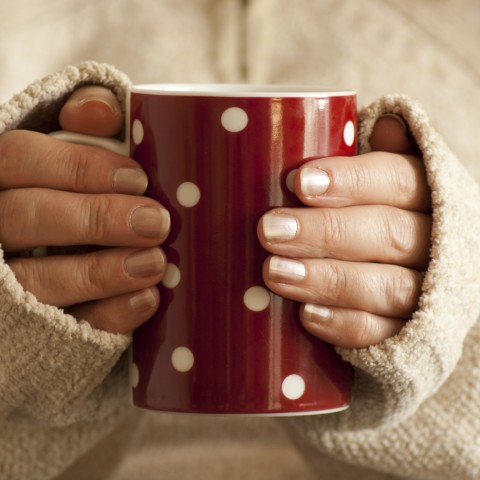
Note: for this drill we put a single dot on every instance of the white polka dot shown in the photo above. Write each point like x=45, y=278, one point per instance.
x=290, y=180
x=256, y=299
x=137, y=132
x=188, y=194
x=182, y=359
x=293, y=387
x=134, y=375
x=234, y=119
x=349, y=133
x=172, y=276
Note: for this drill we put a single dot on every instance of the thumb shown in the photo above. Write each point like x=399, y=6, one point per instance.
x=390, y=134
x=92, y=110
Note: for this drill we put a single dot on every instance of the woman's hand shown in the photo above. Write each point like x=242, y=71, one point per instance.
x=354, y=260
x=54, y=193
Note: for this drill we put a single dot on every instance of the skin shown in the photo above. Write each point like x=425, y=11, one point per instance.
x=56, y=193
x=362, y=245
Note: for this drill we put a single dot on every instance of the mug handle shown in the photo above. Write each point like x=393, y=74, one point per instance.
x=111, y=144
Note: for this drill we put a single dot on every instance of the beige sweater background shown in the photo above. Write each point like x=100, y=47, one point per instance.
x=416, y=409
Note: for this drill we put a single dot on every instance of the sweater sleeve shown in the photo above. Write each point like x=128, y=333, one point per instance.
x=415, y=410
x=62, y=386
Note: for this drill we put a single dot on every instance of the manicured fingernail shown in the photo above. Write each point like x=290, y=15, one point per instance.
x=286, y=270
x=144, y=263
x=130, y=181
x=396, y=117
x=143, y=301
x=278, y=227
x=316, y=313
x=152, y=222
x=313, y=181
x=99, y=101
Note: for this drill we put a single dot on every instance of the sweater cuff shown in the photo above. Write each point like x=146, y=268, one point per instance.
x=395, y=377
x=51, y=363
x=401, y=398
x=37, y=107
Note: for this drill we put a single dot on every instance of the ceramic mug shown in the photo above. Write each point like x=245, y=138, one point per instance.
x=218, y=157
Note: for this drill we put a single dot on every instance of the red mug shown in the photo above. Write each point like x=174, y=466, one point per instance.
x=218, y=157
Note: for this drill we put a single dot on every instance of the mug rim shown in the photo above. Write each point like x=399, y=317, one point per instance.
x=238, y=90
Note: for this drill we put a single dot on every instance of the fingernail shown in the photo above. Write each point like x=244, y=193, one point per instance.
x=130, y=181
x=151, y=222
x=278, y=227
x=144, y=263
x=396, y=117
x=143, y=301
x=313, y=181
x=99, y=101
x=286, y=270
x=316, y=313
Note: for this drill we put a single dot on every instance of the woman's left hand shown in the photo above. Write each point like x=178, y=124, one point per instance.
x=354, y=260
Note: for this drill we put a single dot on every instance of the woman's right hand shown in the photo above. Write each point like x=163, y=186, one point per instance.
x=54, y=193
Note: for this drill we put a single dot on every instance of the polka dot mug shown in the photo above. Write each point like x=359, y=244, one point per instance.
x=218, y=157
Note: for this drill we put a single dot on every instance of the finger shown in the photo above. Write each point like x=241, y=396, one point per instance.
x=386, y=290
x=31, y=159
x=72, y=279
x=375, y=233
x=92, y=110
x=373, y=178
x=121, y=314
x=390, y=134
x=348, y=328
x=31, y=218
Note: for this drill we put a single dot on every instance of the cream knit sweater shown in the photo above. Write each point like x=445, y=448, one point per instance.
x=416, y=408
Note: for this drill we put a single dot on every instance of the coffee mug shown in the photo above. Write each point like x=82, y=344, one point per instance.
x=218, y=157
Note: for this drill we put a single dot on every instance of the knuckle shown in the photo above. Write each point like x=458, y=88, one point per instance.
x=90, y=277
x=77, y=168
x=96, y=212
x=399, y=232
x=333, y=228
x=403, y=291
x=336, y=281
x=365, y=329
x=80, y=165
x=401, y=179
x=358, y=180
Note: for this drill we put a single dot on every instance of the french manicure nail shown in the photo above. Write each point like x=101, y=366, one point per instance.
x=278, y=227
x=316, y=313
x=286, y=270
x=144, y=263
x=143, y=301
x=151, y=222
x=130, y=181
x=313, y=181
x=396, y=117
x=98, y=100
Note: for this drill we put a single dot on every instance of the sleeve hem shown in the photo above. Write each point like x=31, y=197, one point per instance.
x=395, y=377
x=52, y=363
